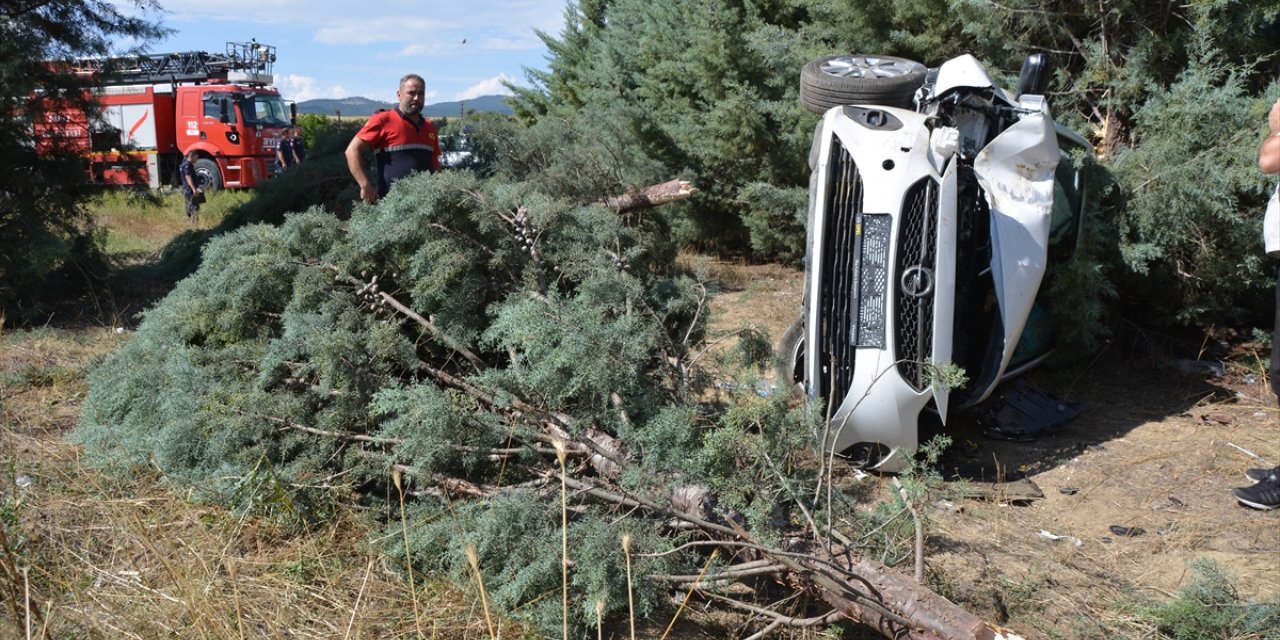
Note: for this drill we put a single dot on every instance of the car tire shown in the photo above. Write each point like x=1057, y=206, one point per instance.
x=834, y=81
x=208, y=178
x=789, y=371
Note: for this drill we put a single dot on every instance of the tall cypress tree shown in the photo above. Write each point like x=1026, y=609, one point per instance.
x=42, y=220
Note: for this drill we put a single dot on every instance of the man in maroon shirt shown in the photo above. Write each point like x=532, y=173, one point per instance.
x=402, y=140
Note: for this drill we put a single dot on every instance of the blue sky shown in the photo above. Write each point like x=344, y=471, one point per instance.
x=332, y=49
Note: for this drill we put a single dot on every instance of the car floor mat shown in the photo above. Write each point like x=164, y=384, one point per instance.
x=1024, y=413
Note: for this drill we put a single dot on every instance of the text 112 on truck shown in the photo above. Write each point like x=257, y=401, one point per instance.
x=150, y=109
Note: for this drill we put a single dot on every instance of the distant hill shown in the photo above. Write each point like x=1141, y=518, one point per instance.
x=366, y=107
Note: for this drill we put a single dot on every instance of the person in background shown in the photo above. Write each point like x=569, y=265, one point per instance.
x=402, y=140
x=297, y=148
x=284, y=150
x=1265, y=493
x=191, y=191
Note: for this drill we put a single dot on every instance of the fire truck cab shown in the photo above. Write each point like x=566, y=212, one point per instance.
x=152, y=109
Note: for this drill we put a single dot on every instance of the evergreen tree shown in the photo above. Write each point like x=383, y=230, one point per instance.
x=568, y=60
x=1109, y=56
x=449, y=333
x=43, y=225
x=1190, y=228
x=707, y=88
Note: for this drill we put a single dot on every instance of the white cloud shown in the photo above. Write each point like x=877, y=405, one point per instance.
x=349, y=32
x=425, y=50
x=511, y=44
x=491, y=87
x=299, y=88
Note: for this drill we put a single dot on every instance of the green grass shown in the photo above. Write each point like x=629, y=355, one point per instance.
x=137, y=225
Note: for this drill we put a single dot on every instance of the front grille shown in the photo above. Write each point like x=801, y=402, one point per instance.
x=916, y=281
x=855, y=273
x=835, y=320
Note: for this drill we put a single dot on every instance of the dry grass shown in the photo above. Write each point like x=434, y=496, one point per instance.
x=90, y=556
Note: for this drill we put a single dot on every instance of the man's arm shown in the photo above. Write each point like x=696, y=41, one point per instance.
x=1269, y=154
x=355, y=164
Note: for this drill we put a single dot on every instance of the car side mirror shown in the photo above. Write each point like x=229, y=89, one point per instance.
x=1034, y=78
x=224, y=113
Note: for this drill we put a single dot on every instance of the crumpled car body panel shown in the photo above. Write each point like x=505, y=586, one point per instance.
x=927, y=228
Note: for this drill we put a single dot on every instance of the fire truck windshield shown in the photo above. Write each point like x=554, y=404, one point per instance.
x=264, y=110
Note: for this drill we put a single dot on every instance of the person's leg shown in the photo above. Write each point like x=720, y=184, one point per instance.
x=1275, y=344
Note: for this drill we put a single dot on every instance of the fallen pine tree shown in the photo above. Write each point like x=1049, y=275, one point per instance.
x=531, y=380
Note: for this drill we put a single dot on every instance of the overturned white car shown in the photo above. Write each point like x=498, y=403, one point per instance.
x=931, y=229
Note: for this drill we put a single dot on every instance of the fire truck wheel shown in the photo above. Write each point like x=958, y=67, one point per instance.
x=208, y=176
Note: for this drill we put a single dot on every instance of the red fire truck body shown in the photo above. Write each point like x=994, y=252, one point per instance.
x=153, y=109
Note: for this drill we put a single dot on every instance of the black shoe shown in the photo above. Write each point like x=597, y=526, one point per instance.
x=1264, y=495
x=1258, y=475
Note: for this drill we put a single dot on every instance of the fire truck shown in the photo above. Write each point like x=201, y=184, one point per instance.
x=152, y=108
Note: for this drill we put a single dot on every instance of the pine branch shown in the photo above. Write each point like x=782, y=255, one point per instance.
x=557, y=424
x=493, y=453
x=778, y=619
x=446, y=485
x=713, y=579
x=371, y=288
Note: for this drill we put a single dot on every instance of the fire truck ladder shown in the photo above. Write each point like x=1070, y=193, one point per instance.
x=248, y=62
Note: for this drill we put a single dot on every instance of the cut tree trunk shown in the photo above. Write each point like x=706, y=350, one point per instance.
x=915, y=612
x=651, y=196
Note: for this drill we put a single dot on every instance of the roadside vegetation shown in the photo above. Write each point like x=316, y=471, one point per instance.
x=135, y=227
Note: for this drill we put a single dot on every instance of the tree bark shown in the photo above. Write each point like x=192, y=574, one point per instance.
x=651, y=196
x=873, y=589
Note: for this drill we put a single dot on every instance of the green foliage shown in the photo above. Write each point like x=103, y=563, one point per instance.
x=314, y=127
x=284, y=369
x=1209, y=607
x=517, y=543
x=321, y=181
x=583, y=155
x=929, y=31
x=46, y=240
x=945, y=375
x=891, y=536
x=1080, y=291
x=708, y=94
x=1187, y=185
x=775, y=219
x=453, y=328
x=1110, y=56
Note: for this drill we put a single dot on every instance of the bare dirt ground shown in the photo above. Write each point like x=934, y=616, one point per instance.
x=1155, y=449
